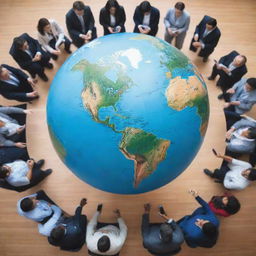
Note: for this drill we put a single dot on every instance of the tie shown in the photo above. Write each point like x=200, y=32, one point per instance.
x=14, y=80
x=82, y=23
x=29, y=53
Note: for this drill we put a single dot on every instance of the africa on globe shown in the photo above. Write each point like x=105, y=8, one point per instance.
x=127, y=113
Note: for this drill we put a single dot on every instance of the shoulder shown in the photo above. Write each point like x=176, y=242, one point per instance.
x=186, y=14
x=70, y=13
x=154, y=10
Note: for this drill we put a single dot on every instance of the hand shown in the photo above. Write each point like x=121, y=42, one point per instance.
x=20, y=145
x=147, y=207
x=88, y=35
x=218, y=66
x=83, y=202
x=226, y=105
x=28, y=112
x=117, y=213
x=111, y=30
x=118, y=29
x=197, y=44
x=196, y=37
x=21, y=129
x=193, y=193
x=229, y=133
x=32, y=82
x=170, y=31
x=231, y=91
x=164, y=216
x=32, y=94
x=30, y=163
x=142, y=31
x=56, y=52
x=99, y=207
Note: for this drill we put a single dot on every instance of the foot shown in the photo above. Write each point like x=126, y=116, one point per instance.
x=40, y=163
x=48, y=172
x=210, y=78
x=54, y=57
x=68, y=51
x=49, y=65
x=208, y=173
x=205, y=59
x=44, y=77
x=221, y=96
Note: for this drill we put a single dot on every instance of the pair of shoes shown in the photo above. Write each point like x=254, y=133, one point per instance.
x=208, y=173
x=210, y=78
x=49, y=65
x=48, y=172
x=68, y=51
x=44, y=77
x=205, y=59
x=40, y=163
x=221, y=96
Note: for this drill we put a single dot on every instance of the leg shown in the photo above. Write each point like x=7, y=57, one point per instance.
x=180, y=40
x=45, y=59
x=220, y=174
x=52, y=43
x=231, y=118
x=214, y=73
x=167, y=37
x=67, y=44
x=192, y=48
x=10, y=154
x=38, y=175
x=252, y=158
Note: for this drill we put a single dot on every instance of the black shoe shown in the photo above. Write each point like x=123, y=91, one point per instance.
x=210, y=78
x=68, y=51
x=48, y=172
x=221, y=96
x=54, y=57
x=40, y=163
x=205, y=59
x=44, y=77
x=208, y=173
x=49, y=65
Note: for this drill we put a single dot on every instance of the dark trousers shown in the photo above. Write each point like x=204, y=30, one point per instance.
x=202, y=53
x=220, y=174
x=231, y=117
x=67, y=44
x=79, y=42
x=10, y=154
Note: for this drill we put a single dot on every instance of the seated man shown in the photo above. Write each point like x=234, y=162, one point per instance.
x=241, y=97
x=201, y=227
x=206, y=37
x=161, y=238
x=230, y=68
x=241, y=136
x=37, y=207
x=69, y=234
x=16, y=85
x=105, y=239
x=80, y=24
x=233, y=173
x=146, y=19
x=23, y=175
x=28, y=53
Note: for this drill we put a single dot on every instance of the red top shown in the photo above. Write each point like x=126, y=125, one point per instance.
x=217, y=211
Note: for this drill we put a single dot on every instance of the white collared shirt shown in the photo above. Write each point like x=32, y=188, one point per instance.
x=146, y=20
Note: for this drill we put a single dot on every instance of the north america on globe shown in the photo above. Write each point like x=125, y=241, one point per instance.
x=132, y=113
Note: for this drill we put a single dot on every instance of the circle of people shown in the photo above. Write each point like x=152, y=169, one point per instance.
x=19, y=172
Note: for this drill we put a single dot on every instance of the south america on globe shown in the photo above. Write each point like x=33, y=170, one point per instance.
x=127, y=113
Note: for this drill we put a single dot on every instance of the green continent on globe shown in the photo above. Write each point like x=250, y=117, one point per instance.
x=99, y=91
x=189, y=92
x=58, y=146
x=145, y=149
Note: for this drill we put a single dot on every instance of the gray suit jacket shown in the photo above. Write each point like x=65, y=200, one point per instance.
x=247, y=99
x=152, y=241
x=238, y=144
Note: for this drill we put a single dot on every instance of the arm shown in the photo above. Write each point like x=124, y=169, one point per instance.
x=45, y=229
x=123, y=231
x=244, y=123
x=178, y=234
x=91, y=19
x=213, y=43
x=166, y=19
x=186, y=26
x=44, y=43
x=157, y=17
x=123, y=17
x=103, y=20
x=136, y=17
x=11, y=110
x=230, y=183
x=70, y=27
x=59, y=30
x=145, y=224
x=6, y=143
x=91, y=226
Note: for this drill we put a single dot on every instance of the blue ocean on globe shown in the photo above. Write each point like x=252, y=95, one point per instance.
x=127, y=113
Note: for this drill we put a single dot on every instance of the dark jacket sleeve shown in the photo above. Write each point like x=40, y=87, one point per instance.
x=145, y=227
x=211, y=45
x=91, y=18
x=204, y=204
x=103, y=18
x=137, y=17
x=154, y=25
x=122, y=18
x=19, y=96
x=71, y=26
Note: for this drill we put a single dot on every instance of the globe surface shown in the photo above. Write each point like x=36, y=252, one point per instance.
x=127, y=113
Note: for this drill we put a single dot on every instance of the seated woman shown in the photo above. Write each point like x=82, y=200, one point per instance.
x=23, y=175
x=225, y=205
x=112, y=17
x=51, y=36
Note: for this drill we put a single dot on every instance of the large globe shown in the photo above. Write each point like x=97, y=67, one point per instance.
x=127, y=113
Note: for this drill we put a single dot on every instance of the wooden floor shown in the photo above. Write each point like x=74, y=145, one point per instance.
x=19, y=237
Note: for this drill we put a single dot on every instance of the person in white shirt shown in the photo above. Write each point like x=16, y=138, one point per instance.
x=36, y=207
x=51, y=36
x=23, y=174
x=107, y=239
x=234, y=174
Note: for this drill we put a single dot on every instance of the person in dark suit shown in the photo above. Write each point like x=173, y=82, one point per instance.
x=161, y=238
x=69, y=234
x=231, y=68
x=206, y=37
x=112, y=17
x=80, y=24
x=16, y=85
x=28, y=53
x=146, y=19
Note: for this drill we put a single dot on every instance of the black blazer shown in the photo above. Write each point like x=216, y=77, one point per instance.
x=74, y=25
x=21, y=57
x=105, y=19
x=154, y=20
x=210, y=41
x=10, y=91
x=226, y=80
x=75, y=235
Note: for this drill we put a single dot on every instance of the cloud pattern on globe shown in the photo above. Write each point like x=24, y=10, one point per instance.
x=127, y=113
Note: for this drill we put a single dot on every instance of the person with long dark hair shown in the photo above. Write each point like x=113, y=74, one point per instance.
x=51, y=36
x=112, y=18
